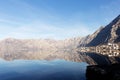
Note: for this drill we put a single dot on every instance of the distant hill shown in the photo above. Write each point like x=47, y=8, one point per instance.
x=41, y=49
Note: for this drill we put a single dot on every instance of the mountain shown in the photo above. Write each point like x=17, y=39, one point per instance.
x=48, y=49
x=42, y=49
x=108, y=34
x=86, y=40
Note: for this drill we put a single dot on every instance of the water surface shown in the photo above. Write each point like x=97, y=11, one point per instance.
x=42, y=70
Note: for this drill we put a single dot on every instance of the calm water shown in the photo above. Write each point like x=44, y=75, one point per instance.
x=41, y=70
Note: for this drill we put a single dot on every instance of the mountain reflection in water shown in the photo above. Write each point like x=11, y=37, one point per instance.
x=41, y=70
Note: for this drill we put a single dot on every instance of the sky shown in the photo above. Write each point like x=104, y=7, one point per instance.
x=54, y=19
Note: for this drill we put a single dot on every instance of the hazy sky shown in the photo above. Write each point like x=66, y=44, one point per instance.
x=56, y=19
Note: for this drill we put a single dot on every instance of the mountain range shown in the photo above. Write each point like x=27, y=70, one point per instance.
x=108, y=34
x=48, y=49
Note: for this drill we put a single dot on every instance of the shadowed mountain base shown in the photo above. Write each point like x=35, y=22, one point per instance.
x=103, y=72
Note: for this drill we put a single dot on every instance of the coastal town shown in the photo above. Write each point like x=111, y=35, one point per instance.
x=110, y=49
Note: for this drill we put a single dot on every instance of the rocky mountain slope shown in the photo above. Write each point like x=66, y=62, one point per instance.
x=104, y=35
x=110, y=33
x=86, y=40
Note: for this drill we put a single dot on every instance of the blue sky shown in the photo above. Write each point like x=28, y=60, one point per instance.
x=57, y=19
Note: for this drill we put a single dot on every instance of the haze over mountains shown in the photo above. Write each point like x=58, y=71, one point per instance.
x=49, y=49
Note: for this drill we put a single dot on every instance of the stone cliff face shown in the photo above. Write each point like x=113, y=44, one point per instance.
x=110, y=33
x=86, y=40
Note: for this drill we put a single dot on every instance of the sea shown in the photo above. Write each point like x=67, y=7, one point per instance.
x=42, y=70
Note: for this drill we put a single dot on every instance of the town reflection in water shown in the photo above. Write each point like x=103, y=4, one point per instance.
x=110, y=49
